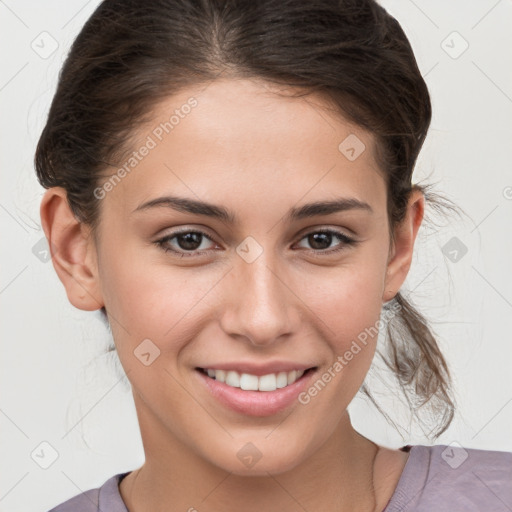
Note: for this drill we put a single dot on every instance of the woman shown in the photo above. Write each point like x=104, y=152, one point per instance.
x=230, y=182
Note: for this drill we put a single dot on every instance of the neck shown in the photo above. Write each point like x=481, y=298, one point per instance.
x=337, y=476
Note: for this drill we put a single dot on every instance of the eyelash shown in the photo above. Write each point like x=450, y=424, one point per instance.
x=346, y=241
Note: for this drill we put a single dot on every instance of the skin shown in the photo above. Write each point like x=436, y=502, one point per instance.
x=258, y=154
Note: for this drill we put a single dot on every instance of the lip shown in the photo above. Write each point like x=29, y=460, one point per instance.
x=259, y=369
x=256, y=403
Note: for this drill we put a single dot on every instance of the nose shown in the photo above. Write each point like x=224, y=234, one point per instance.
x=261, y=307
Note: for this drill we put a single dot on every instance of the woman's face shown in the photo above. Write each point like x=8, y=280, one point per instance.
x=262, y=286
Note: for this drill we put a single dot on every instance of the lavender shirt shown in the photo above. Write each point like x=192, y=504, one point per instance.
x=435, y=479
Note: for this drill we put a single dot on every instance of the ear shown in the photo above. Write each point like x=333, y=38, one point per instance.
x=72, y=250
x=401, y=250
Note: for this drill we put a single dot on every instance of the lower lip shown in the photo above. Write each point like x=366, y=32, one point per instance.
x=256, y=403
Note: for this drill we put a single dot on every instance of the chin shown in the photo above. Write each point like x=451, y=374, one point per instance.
x=249, y=461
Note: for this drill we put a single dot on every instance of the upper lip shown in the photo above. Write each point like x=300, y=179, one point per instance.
x=258, y=369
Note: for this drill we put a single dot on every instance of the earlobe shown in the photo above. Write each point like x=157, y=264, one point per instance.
x=72, y=250
x=405, y=236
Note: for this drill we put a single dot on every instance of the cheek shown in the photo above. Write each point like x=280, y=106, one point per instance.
x=148, y=299
x=348, y=295
x=347, y=303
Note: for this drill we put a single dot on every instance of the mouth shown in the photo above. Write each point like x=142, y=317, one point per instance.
x=264, y=396
x=250, y=382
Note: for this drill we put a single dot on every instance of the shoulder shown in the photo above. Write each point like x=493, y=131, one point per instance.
x=452, y=478
x=105, y=498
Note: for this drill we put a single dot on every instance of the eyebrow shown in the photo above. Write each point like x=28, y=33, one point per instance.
x=316, y=208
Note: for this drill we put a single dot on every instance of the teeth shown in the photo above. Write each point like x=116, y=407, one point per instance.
x=267, y=382
x=249, y=382
x=232, y=379
x=281, y=380
x=220, y=375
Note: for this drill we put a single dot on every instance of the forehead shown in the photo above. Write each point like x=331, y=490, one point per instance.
x=239, y=141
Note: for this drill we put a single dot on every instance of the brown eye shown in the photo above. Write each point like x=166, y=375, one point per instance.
x=189, y=241
x=185, y=242
x=321, y=240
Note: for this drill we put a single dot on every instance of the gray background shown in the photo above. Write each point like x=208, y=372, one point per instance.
x=58, y=388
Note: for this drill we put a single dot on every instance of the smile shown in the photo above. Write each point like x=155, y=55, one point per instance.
x=262, y=396
x=249, y=382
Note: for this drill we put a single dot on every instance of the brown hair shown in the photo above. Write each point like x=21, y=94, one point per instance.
x=131, y=54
